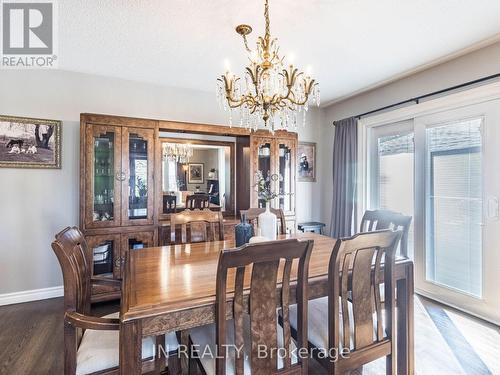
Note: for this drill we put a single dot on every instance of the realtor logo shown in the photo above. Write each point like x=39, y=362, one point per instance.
x=28, y=34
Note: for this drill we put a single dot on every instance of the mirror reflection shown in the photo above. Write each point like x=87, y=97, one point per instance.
x=196, y=176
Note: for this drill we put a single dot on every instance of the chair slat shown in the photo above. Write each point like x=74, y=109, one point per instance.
x=344, y=300
x=184, y=233
x=212, y=232
x=362, y=302
x=263, y=314
x=238, y=319
x=285, y=308
x=376, y=289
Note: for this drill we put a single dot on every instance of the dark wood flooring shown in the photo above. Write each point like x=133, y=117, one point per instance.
x=446, y=341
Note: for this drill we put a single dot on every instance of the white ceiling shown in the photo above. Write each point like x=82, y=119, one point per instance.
x=350, y=44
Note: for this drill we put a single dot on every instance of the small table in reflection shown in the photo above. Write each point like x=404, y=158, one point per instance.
x=312, y=226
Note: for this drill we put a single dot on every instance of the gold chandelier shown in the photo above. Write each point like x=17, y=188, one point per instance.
x=271, y=94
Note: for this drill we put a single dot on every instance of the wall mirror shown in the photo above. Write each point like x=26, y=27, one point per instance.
x=198, y=173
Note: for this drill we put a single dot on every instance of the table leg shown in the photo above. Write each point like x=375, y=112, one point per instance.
x=130, y=348
x=405, y=323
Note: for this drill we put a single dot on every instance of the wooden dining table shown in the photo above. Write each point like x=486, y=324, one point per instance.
x=172, y=288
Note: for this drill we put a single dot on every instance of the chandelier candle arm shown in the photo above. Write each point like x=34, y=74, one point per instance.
x=269, y=91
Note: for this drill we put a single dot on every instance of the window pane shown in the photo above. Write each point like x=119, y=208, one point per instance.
x=454, y=205
x=395, y=176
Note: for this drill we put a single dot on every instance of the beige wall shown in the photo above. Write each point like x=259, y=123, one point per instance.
x=478, y=64
x=35, y=204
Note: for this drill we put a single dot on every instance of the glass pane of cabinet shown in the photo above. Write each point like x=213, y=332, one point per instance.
x=104, y=177
x=102, y=257
x=264, y=167
x=138, y=180
x=285, y=177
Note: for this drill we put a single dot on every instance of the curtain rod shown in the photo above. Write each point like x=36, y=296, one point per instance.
x=418, y=98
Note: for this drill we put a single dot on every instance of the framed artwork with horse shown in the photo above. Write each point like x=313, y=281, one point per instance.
x=29, y=143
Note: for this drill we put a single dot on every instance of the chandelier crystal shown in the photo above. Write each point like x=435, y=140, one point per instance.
x=177, y=152
x=272, y=93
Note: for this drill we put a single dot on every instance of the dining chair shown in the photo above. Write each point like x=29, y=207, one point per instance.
x=254, y=326
x=196, y=226
x=352, y=318
x=252, y=215
x=91, y=343
x=197, y=201
x=384, y=219
x=169, y=204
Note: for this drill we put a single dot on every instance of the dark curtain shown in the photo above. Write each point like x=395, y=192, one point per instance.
x=345, y=157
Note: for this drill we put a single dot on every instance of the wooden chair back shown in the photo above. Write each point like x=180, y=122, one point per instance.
x=169, y=204
x=196, y=226
x=197, y=201
x=359, y=265
x=253, y=218
x=70, y=248
x=261, y=263
x=384, y=219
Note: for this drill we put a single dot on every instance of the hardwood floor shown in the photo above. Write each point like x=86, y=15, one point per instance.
x=446, y=340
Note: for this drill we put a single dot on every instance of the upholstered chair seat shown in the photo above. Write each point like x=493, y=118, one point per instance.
x=204, y=340
x=317, y=322
x=99, y=350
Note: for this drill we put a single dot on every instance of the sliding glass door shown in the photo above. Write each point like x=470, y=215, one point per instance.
x=442, y=170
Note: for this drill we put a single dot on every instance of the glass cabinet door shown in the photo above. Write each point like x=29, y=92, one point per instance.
x=264, y=167
x=285, y=161
x=138, y=146
x=103, y=156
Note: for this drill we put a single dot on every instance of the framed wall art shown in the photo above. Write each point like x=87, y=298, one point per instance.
x=196, y=173
x=306, y=154
x=29, y=143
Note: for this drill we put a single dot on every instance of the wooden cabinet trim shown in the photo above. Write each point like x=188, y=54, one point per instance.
x=107, y=120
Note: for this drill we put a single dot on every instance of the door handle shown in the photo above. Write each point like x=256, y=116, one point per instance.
x=493, y=208
x=120, y=176
x=119, y=262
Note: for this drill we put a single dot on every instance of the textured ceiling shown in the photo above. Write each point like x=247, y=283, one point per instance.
x=350, y=44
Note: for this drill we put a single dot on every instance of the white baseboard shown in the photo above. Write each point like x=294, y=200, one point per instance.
x=31, y=295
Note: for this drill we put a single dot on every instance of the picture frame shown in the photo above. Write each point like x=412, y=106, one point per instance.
x=196, y=173
x=306, y=162
x=30, y=143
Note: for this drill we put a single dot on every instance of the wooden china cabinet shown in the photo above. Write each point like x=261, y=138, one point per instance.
x=275, y=155
x=117, y=199
x=121, y=196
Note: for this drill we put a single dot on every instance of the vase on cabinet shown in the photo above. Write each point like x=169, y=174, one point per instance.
x=268, y=223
